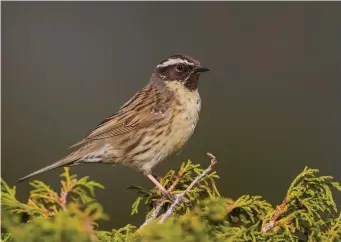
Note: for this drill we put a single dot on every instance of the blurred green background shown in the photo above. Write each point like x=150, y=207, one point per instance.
x=271, y=103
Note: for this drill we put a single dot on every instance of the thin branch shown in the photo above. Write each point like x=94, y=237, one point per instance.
x=162, y=201
x=280, y=210
x=180, y=196
x=67, y=187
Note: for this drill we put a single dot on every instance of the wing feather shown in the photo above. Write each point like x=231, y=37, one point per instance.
x=130, y=117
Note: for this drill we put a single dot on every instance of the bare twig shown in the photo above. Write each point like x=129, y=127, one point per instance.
x=180, y=196
x=162, y=201
x=280, y=209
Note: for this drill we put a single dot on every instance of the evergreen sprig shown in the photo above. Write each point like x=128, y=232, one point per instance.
x=308, y=212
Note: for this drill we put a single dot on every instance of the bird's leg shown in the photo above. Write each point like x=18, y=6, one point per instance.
x=156, y=176
x=164, y=191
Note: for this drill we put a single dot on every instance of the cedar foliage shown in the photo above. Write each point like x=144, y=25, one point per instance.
x=308, y=212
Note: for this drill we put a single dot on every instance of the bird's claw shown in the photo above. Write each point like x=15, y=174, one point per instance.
x=180, y=197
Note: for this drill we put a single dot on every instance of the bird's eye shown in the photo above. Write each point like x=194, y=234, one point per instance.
x=180, y=67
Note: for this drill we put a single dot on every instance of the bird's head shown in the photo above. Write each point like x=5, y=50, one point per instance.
x=180, y=68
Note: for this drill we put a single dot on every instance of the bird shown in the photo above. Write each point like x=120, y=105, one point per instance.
x=154, y=124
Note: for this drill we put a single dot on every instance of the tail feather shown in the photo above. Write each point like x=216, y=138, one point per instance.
x=57, y=164
x=86, y=154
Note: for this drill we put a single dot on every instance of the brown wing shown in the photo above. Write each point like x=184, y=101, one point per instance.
x=147, y=107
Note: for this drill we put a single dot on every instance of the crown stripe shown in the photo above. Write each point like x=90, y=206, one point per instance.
x=171, y=62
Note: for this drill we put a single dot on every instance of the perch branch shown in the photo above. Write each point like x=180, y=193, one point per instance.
x=162, y=201
x=280, y=209
x=180, y=196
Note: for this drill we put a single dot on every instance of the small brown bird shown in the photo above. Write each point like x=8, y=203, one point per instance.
x=148, y=128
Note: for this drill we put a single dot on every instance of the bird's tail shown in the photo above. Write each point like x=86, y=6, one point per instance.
x=89, y=153
x=57, y=164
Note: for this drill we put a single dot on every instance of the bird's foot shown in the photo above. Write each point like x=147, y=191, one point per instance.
x=180, y=197
x=171, y=197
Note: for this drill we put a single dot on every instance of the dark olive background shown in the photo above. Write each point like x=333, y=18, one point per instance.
x=271, y=103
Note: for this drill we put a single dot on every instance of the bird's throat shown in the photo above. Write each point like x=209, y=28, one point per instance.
x=192, y=82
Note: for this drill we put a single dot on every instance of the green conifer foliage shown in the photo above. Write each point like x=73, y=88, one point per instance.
x=307, y=213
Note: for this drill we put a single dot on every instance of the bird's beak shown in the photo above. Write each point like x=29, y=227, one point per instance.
x=200, y=69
